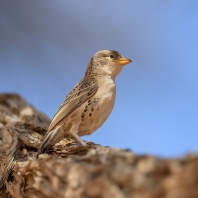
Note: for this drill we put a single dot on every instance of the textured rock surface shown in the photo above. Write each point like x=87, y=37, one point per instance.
x=73, y=171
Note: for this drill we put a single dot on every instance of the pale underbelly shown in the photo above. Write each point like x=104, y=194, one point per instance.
x=93, y=113
x=94, y=119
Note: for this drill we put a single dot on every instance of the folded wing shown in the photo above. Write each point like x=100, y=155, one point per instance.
x=86, y=88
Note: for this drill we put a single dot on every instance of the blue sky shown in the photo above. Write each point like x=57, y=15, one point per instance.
x=45, y=47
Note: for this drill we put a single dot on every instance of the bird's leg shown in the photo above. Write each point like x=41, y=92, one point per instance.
x=79, y=139
x=74, y=132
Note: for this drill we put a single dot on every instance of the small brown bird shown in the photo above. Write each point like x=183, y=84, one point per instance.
x=90, y=102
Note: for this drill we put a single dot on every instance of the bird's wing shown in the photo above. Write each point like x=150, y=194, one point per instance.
x=86, y=88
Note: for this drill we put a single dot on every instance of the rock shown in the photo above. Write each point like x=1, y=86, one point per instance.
x=72, y=171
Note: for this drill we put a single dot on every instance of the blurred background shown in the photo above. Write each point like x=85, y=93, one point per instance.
x=45, y=47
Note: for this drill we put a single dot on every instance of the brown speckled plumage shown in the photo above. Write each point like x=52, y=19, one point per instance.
x=90, y=102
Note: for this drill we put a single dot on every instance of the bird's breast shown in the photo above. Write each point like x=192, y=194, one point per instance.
x=98, y=107
x=106, y=90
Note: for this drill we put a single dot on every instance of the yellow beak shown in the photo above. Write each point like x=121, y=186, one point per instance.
x=123, y=61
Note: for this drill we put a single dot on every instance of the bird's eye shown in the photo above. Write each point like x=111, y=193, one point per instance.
x=111, y=56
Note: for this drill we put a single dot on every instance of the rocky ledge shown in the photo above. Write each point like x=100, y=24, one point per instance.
x=72, y=171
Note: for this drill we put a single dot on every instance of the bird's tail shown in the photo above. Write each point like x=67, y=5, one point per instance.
x=50, y=139
x=44, y=144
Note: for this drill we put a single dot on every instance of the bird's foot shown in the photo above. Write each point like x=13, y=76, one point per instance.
x=75, y=135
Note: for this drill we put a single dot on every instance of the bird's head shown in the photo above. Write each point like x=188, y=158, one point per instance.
x=106, y=63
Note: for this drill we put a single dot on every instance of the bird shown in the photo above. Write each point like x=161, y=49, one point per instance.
x=89, y=103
